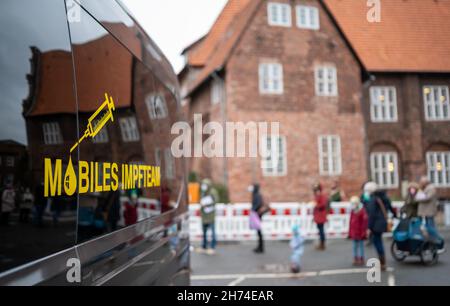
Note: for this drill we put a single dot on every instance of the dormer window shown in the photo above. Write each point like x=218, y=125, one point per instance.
x=279, y=14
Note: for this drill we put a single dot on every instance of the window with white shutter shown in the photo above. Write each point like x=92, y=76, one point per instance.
x=279, y=14
x=330, y=161
x=326, y=81
x=438, y=166
x=437, y=104
x=384, y=169
x=308, y=17
x=271, y=78
x=156, y=106
x=52, y=133
x=274, y=162
x=129, y=129
x=383, y=104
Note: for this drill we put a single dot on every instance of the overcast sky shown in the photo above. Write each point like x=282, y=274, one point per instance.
x=174, y=24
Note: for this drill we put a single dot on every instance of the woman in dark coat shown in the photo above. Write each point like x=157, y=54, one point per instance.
x=257, y=205
x=320, y=214
x=377, y=209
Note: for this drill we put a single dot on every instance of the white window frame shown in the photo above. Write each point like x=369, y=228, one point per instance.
x=382, y=174
x=10, y=161
x=311, y=17
x=383, y=104
x=158, y=157
x=438, y=168
x=434, y=106
x=277, y=19
x=169, y=163
x=329, y=77
x=129, y=129
x=216, y=91
x=52, y=133
x=102, y=136
x=156, y=106
x=266, y=164
x=329, y=157
x=271, y=78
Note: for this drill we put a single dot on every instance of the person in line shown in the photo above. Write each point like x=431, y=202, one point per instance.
x=410, y=209
x=26, y=204
x=377, y=209
x=130, y=213
x=8, y=203
x=428, y=209
x=320, y=214
x=113, y=209
x=40, y=205
x=208, y=214
x=297, y=246
x=365, y=200
x=358, y=230
x=337, y=194
x=258, y=210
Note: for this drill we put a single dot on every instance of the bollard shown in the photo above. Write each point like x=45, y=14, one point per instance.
x=447, y=214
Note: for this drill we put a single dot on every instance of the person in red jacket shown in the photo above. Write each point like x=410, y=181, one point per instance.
x=320, y=214
x=130, y=213
x=358, y=230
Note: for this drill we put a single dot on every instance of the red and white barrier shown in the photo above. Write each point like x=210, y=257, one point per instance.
x=146, y=208
x=232, y=221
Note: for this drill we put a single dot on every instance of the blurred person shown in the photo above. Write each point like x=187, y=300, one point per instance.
x=8, y=203
x=410, y=208
x=428, y=209
x=114, y=205
x=25, y=206
x=130, y=213
x=56, y=206
x=165, y=199
x=377, y=209
x=208, y=214
x=40, y=205
x=365, y=199
x=336, y=194
x=320, y=214
x=358, y=230
x=258, y=211
x=297, y=245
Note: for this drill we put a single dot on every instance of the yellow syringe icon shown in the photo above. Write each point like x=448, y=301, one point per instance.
x=98, y=120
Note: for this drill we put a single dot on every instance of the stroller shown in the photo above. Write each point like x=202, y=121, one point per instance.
x=409, y=239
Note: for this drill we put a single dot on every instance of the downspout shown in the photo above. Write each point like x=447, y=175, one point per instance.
x=223, y=113
x=370, y=80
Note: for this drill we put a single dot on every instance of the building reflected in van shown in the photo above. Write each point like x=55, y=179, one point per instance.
x=62, y=87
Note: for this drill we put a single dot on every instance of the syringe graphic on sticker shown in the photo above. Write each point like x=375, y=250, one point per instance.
x=96, y=122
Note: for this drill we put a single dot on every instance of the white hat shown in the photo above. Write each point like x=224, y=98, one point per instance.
x=370, y=187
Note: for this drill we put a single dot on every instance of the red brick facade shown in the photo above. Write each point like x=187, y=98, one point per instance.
x=302, y=114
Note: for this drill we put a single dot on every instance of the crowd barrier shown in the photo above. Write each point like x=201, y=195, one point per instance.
x=232, y=221
x=146, y=208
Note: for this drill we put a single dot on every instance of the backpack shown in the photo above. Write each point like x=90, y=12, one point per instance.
x=264, y=209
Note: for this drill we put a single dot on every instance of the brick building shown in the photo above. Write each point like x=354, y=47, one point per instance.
x=13, y=163
x=145, y=109
x=349, y=94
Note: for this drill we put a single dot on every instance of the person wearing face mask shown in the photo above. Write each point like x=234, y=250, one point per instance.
x=358, y=230
x=320, y=214
x=377, y=209
x=427, y=210
x=258, y=210
x=365, y=200
x=208, y=214
x=411, y=205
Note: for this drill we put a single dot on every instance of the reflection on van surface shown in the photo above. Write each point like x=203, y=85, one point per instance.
x=86, y=170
